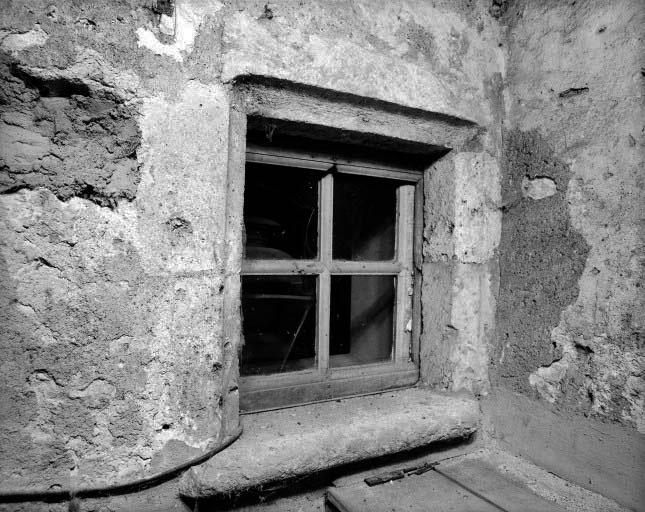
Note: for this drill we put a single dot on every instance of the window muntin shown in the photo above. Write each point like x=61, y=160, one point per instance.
x=359, y=255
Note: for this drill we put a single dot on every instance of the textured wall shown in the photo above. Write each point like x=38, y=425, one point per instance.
x=571, y=302
x=112, y=220
x=461, y=235
x=541, y=257
x=115, y=123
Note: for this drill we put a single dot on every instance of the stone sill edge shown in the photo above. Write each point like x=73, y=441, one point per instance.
x=380, y=425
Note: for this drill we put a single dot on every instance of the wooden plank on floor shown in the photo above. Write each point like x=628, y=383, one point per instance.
x=467, y=485
x=417, y=493
x=435, y=453
x=484, y=480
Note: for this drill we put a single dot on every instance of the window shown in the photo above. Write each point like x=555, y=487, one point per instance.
x=327, y=277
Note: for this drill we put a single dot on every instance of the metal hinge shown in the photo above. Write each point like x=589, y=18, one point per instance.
x=399, y=473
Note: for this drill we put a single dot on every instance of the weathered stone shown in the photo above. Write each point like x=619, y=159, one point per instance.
x=122, y=304
x=477, y=202
x=281, y=445
x=114, y=310
x=538, y=188
x=439, y=211
x=459, y=322
x=462, y=201
x=384, y=58
x=121, y=243
x=183, y=25
x=17, y=42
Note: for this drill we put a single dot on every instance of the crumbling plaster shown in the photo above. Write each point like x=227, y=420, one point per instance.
x=113, y=309
x=116, y=355
x=574, y=111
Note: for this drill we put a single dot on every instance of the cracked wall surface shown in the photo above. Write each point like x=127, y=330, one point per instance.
x=570, y=317
x=114, y=159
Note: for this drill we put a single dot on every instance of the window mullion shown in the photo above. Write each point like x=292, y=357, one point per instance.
x=324, y=279
x=404, y=233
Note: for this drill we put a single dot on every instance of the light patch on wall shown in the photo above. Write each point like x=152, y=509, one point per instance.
x=547, y=380
x=17, y=42
x=478, y=220
x=183, y=25
x=538, y=188
x=473, y=319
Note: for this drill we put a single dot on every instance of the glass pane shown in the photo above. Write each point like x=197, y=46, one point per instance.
x=364, y=218
x=362, y=319
x=280, y=212
x=279, y=323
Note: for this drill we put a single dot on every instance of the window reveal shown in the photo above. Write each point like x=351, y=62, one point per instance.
x=326, y=278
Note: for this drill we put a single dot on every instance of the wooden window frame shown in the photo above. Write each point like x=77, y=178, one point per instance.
x=322, y=382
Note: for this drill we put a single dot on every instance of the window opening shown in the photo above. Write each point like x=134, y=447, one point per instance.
x=326, y=278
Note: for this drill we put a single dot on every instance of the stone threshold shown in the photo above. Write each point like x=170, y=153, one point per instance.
x=290, y=443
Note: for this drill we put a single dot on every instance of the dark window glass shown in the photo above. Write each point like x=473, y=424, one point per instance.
x=280, y=212
x=361, y=323
x=364, y=218
x=279, y=323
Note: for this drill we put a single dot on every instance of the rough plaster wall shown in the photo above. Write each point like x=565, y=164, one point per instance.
x=112, y=243
x=114, y=132
x=541, y=258
x=574, y=105
x=437, y=56
x=58, y=135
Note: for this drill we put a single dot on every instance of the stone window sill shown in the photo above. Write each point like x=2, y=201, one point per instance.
x=289, y=443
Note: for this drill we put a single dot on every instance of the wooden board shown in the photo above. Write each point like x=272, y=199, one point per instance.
x=417, y=493
x=483, y=479
x=470, y=485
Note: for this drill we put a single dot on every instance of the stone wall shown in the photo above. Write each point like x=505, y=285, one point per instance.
x=114, y=161
x=570, y=311
x=120, y=257
x=460, y=273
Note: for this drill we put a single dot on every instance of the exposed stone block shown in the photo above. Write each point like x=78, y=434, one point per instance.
x=462, y=208
x=280, y=445
x=458, y=325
